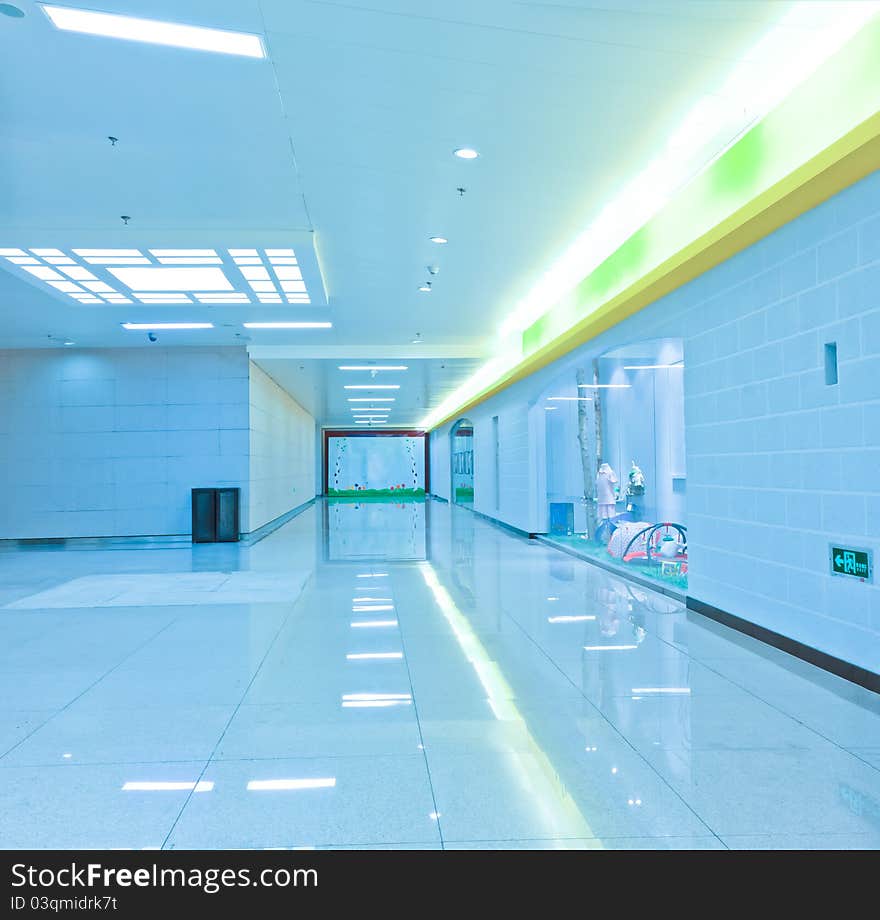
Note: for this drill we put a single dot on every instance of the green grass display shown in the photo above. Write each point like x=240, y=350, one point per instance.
x=589, y=549
x=382, y=495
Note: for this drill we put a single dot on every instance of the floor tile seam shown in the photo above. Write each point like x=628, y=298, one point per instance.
x=235, y=710
x=623, y=737
x=786, y=715
x=91, y=686
x=424, y=751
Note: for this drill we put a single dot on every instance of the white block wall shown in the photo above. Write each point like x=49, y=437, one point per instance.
x=778, y=463
x=109, y=443
x=282, y=451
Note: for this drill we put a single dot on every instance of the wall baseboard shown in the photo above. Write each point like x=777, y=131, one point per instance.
x=145, y=540
x=254, y=536
x=491, y=520
x=157, y=541
x=845, y=669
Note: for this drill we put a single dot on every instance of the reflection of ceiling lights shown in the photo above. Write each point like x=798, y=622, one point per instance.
x=279, y=785
x=375, y=700
x=377, y=656
x=155, y=32
x=373, y=367
x=466, y=153
x=170, y=276
x=147, y=327
x=609, y=648
x=158, y=786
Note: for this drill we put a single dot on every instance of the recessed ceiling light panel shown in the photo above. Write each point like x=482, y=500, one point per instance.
x=155, y=31
x=212, y=276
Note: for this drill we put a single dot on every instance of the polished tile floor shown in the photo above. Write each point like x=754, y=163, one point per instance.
x=405, y=676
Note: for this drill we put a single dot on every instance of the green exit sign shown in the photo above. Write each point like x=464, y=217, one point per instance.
x=856, y=563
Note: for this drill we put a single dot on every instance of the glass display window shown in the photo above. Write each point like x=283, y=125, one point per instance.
x=615, y=461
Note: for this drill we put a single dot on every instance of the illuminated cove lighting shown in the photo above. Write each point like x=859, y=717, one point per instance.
x=802, y=40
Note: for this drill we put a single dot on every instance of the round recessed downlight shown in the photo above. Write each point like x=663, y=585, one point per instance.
x=466, y=153
x=7, y=9
x=439, y=239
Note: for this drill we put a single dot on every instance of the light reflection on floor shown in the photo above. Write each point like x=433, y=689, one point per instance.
x=468, y=690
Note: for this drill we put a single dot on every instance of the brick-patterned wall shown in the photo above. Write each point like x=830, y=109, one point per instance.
x=109, y=442
x=778, y=463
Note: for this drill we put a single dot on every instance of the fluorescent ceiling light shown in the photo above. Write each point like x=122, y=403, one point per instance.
x=155, y=32
x=646, y=690
x=372, y=386
x=550, y=408
x=364, y=656
x=43, y=272
x=371, y=600
x=288, y=325
x=287, y=272
x=372, y=608
x=372, y=624
x=650, y=367
x=466, y=153
x=148, y=326
x=137, y=786
x=378, y=575
x=439, y=239
x=370, y=399
x=184, y=253
x=373, y=367
x=109, y=253
x=609, y=648
x=173, y=279
x=425, y=288
x=570, y=619
x=275, y=785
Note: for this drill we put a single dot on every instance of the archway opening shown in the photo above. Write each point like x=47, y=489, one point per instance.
x=461, y=455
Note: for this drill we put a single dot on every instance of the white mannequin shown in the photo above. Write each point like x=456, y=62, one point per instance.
x=606, y=479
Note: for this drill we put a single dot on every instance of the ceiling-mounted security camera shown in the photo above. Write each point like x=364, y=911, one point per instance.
x=152, y=337
x=433, y=269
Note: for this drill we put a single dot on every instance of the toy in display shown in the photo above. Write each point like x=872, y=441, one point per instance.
x=635, y=489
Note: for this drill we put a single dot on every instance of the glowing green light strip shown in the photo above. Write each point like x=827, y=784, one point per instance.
x=839, y=96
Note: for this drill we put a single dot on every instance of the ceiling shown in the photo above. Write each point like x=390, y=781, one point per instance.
x=340, y=146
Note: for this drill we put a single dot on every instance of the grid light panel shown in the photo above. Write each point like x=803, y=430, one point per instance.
x=268, y=276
